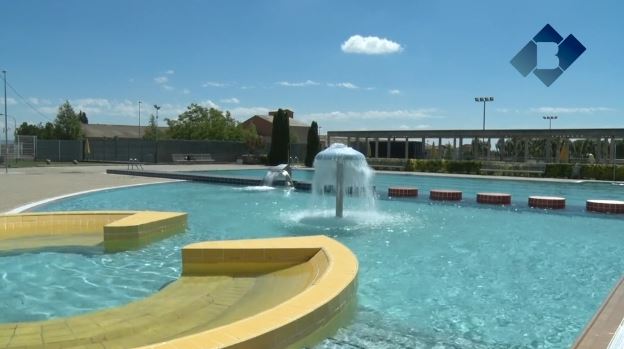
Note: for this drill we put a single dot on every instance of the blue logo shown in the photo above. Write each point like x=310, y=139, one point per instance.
x=568, y=51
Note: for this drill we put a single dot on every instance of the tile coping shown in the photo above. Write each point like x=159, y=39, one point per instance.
x=300, y=320
x=120, y=230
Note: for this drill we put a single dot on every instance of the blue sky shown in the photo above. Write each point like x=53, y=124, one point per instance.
x=433, y=58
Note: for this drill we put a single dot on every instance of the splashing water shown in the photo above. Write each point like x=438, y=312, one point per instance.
x=357, y=179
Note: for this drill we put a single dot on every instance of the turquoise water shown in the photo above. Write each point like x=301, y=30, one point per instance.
x=575, y=193
x=432, y=275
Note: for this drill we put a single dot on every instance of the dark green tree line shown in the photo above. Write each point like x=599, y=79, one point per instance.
x=314, y=144
x=280, y=139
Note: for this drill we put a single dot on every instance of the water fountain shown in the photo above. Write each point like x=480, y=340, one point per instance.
x=282, y=171
x=341, y=169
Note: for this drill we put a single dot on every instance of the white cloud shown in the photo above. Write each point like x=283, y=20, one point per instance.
x=39, y=101
x=171, y=111
x=243, y=113
x=10, y=101
x=422, y=113
x=170, y=72
x=48, y=110
x=214, y=84
x=161, y=80
x=394, y=92
x=370, y=45
x=570, y=110
x=96, y=102
x=232, y=100
x=298, y=84
x=347, y=85
x=407, y=127
x=209, y=104
x=186, y=91
x=168, y=87
x=247, y=87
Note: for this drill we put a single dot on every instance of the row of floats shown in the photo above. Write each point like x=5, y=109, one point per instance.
x=546, y=202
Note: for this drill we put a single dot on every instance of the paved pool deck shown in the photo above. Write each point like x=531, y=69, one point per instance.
x=22, y=186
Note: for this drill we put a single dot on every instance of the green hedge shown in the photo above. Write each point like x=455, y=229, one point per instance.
x=558, y=170
x=443, y=166
x=602, y=172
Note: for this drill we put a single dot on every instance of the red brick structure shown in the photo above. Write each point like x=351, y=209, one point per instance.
x=552, y=202
x=264, y=126
x=494, y=198
x=402, y=192
x=605, y=206
x=445, y=195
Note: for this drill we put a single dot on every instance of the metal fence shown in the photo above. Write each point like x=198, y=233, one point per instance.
x=58, y=150
x=122, y=149
x=148, y=151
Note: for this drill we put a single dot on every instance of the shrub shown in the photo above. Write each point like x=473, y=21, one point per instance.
x=443, y=166
x=602, y=172
x=558, y=170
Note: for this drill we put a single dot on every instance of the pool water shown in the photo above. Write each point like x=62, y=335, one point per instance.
x=576, y=193
x=432, y=275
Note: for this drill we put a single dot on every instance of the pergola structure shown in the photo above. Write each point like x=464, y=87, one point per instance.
x=603, y=136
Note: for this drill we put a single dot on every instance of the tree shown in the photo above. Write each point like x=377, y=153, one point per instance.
x=82, y=116
x=199, y=122
x=67, y=124
x=314, y=144
x=280, y=139
x=251, y=138
x=152, y=132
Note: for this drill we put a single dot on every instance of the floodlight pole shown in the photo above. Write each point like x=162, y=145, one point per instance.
x=6, y=129
x=484, y=100
x=550, y=118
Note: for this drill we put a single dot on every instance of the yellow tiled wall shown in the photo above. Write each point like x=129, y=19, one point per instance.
x=56, y=223
x=120, y=230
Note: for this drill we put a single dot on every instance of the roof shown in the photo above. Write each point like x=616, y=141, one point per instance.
x=291, y=122
x=111, y=131
x=489, y=133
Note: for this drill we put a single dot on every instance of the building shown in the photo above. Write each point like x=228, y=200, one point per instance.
x=514, y=144
x=264, y=126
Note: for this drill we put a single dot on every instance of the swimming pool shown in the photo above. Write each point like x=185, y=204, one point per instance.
x=432, y=275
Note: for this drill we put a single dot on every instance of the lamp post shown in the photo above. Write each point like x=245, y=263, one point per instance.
x=484, y=100
x=157, y=107
x=550, y=118
x=14, y=134
x=14, y=125
x=139, y=119
x=6, y=133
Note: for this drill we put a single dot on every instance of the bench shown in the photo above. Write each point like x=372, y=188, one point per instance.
x=134, y=163
x=511, y=171
x=192, y=158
